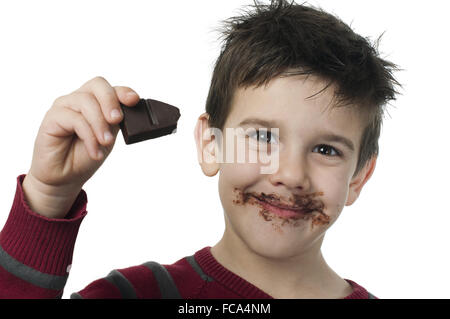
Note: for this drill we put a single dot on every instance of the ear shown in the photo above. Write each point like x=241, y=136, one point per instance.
x=207, y=148
x=360, y=180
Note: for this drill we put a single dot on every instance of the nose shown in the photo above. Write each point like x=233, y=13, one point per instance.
x=292, y=171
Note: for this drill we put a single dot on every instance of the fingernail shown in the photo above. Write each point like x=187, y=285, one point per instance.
x=99, y=154
x=107, y=136
x=115, y=114
x=131, y=93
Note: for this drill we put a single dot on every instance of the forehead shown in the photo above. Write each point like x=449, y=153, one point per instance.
x=294, y=103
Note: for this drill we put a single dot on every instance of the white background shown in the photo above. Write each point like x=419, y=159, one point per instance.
x=150, y=201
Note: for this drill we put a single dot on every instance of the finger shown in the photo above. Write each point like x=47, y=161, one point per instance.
x=106, y=97
x=74, y=122
x=88, y=106
x=126, y=95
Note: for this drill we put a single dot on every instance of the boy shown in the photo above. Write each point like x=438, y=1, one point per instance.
x=295, y=85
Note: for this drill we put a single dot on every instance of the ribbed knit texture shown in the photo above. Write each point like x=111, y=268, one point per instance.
x=225, y=277
x=39, y=242
x=242, y=287
x=358, y=291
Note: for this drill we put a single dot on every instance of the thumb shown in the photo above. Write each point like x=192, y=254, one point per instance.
x=126, y=95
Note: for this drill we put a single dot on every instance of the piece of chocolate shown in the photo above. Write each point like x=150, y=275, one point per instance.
x=148, y=119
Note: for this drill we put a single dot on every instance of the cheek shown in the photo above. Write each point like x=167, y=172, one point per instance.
x=236, y=170
x=335, y=187
x=238, y=175
x=234, y=176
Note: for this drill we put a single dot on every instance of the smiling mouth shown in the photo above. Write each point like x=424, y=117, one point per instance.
x=278, y=204
x=282, y=210
x=286, y=210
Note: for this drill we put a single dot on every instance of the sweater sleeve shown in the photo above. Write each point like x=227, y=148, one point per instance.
x=36, y=251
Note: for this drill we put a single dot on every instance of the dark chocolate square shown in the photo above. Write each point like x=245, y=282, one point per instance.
x=148, y=119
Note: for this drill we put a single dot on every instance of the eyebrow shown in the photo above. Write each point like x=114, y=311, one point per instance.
x=328, y=136
x=331, y=137
x=263, y=123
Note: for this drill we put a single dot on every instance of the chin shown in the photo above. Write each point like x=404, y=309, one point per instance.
x=275, y=248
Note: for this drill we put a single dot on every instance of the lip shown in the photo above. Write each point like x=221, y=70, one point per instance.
x=281, y=210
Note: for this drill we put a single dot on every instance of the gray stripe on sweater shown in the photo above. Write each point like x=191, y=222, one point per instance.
x=29, y=274
x=198, y=270
x=76, y=295
x=122, y=283
x=166, y=285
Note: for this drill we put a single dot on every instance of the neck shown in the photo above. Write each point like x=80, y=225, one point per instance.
x=305, y=275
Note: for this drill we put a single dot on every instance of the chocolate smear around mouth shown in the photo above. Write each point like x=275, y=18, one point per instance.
x=308, y=206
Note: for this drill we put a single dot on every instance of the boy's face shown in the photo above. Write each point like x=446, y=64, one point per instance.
x=288, y=211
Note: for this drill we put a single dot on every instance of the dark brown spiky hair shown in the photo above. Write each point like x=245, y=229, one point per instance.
x=271, y=40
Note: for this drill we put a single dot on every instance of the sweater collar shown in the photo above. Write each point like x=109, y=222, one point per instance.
x=244, y=288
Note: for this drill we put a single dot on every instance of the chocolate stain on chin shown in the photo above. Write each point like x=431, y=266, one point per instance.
x=312, y=207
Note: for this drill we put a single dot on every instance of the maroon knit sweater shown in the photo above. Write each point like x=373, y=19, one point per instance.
x=36, y=254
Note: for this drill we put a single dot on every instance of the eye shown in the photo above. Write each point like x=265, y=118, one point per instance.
x=328, y=150
x=263, y=136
